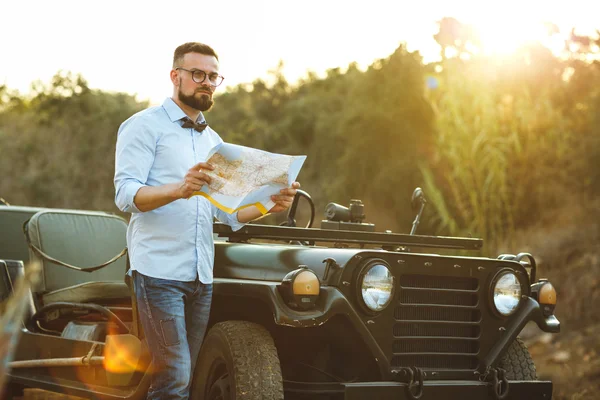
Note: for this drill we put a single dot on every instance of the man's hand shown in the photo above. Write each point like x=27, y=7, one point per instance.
x=194, y=180
x=284, y=199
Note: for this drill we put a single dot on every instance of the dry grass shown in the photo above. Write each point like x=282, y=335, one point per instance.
x=567, y=248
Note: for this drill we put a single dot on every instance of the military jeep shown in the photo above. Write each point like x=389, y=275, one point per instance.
x=337, y=312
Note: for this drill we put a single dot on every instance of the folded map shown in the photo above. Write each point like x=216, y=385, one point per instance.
x=244, y=176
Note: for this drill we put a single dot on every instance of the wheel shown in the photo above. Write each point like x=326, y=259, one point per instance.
x=238, y=360
x=517, y=363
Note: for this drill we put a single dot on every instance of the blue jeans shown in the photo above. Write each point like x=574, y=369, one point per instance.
x=174, y=316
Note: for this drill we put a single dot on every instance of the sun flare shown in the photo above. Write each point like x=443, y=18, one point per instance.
x=498, y=33
x=498, y=37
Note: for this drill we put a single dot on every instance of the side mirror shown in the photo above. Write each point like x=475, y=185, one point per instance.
x=417, y=199
x=418, y=203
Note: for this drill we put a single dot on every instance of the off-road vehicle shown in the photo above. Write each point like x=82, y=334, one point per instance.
x=342, y=311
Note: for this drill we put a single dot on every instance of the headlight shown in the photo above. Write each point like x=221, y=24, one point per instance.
x=377, y=286
x=506, y=292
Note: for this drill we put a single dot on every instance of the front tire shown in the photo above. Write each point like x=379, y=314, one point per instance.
x=238, y=360
x=517, y=363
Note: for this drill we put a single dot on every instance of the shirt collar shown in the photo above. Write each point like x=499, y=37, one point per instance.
x=175, y=113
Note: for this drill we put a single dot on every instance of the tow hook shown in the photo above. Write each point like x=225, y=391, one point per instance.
x=498, y=383
x=413, y=377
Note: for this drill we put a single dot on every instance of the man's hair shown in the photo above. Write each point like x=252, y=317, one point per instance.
x=192, y=47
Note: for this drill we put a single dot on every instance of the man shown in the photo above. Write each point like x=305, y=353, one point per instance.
x=160, y=158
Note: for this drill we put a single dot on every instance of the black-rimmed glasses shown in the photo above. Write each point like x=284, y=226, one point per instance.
x=199, y=76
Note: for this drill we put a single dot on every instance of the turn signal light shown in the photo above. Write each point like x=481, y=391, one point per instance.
x=545, y=294
x=300, y=288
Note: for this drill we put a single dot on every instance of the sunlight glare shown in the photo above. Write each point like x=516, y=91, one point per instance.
x=503, y=37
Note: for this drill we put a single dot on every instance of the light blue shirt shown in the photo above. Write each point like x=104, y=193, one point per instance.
x=174, y=241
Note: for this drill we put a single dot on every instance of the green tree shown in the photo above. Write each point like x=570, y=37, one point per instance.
x=363, y=131
x=60, y=144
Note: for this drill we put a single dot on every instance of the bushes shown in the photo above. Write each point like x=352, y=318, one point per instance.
x=506, y=155
x=495, y=145
x=58, y=145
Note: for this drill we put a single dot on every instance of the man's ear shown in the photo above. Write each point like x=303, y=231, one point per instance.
x=175, y=77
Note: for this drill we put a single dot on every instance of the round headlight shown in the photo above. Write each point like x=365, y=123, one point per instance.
x=506, y=293
x=377, y=287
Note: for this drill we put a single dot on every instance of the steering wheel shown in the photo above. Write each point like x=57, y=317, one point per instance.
x=291, y=217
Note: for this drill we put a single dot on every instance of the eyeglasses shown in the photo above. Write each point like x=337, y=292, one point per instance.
x=199, y=76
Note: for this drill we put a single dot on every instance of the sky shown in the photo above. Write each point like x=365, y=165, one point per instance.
x=127, y=45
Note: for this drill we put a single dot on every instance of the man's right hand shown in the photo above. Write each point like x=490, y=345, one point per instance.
x=194, y=180
x=150, y=198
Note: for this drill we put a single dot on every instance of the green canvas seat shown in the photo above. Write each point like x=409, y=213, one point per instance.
x=81, y=239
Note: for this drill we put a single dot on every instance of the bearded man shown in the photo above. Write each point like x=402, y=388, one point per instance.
x=161, y=154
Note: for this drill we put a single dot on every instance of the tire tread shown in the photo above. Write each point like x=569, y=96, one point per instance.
x=517, y=362
x=256, y=363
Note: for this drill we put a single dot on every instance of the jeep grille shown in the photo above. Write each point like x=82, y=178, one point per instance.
x=436, y=323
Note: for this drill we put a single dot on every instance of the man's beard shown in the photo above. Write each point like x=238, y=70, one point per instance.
x=204, y=103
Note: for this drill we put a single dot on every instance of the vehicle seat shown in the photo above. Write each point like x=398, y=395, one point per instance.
x=79, y=239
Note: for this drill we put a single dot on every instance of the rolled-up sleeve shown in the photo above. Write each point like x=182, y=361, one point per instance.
x=229, y=219
x=135, y=150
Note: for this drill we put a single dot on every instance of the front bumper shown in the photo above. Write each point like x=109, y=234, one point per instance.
x=447, y=390
x=432, y=390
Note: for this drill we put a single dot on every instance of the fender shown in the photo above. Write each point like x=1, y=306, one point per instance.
x=331, y=302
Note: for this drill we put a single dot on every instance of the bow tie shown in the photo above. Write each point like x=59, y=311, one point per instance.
x=188, y=123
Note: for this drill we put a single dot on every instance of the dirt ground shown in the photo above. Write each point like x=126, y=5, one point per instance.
x=568, y=253
x=571, y=360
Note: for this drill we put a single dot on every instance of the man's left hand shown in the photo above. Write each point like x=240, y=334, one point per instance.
x=284, y=199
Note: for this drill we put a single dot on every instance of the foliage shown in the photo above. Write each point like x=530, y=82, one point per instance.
x=363, y=131
x=516, y=140
x=496, y=144
x=58, y=145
